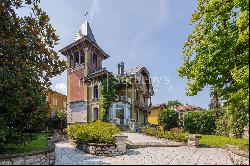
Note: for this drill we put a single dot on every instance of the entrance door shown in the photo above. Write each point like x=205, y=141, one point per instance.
x=120, y=115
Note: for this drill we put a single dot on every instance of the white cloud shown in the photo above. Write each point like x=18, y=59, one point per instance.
x=61, y=88
x=94, y=9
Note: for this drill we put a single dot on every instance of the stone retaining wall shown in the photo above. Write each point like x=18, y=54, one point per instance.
x=237, y=157
x=116, y=149
x=41, y=157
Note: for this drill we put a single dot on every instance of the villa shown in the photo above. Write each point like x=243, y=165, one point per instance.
x=84, y=76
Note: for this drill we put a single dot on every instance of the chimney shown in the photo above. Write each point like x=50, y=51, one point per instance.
x=122, y=68
x=119, y=69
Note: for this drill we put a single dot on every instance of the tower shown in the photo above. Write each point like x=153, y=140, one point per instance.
x=84, y=62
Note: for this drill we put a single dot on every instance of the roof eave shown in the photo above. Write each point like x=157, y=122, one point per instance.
x=63, y=50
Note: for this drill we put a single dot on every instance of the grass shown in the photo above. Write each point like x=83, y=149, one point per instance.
x=222, y=141
x=39, y=143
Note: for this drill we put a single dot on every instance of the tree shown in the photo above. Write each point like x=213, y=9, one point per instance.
x=216, y=53
x=173, y=103
x=168, y=119
x=27, y=62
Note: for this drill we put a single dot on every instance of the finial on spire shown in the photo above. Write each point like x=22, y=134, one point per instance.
x=85, y=14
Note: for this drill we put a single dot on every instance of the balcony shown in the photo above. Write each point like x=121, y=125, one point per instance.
x=123, y=99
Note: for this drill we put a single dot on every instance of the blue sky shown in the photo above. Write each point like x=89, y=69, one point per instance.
x=148, y=33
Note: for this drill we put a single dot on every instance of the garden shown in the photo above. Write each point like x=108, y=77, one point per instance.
x=202, y=123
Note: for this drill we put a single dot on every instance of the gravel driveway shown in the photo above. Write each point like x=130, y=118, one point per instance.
x=183, y=155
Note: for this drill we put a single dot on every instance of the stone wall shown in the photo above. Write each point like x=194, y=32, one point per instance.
x=116, y=149
x=246, y=132
x=41, y=157
x=237, y=157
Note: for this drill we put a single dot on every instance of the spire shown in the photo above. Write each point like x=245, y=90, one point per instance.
x=85, y=30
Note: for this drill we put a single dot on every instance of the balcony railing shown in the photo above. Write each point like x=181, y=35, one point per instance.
x=123, y=98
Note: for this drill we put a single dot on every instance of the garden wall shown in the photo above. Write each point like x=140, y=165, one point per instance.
x=237, y=157
x=41, y=157
x=116, y=149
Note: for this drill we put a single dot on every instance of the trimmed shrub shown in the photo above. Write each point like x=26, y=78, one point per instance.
x=175, y=134
x=93, y=132
x=168, y=119
x=201, y=122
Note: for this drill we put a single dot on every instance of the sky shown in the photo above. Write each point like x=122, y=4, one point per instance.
x=148, y=33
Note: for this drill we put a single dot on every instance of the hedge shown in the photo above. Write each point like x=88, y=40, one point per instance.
x=174, y=134
x=201, y=122
x=168, y=119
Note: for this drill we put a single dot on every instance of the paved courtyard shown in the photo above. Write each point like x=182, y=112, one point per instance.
x=182, y=155
x=140, y=139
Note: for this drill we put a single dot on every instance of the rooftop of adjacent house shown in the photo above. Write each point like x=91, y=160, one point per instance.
x=186, y=108
x=57, y=93
x=158, y=105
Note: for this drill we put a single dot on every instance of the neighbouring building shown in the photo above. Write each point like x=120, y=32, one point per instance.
x=183, y=109
x=57, y=102
x=154, y=112
x=84, y=76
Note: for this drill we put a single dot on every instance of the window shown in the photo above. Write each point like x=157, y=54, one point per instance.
x=54, y=101
x=137, y=116
x=94, y=60
x=72, y=61
x=96, y=92
x=76, y=58
x=137, y=95
x=145, y=119
x=95, y=114
x=81, y=57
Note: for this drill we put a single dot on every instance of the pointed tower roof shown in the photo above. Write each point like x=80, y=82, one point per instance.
x=85, y=30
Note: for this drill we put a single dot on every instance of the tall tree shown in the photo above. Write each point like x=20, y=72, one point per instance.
x=27, y=62
x=216, y=53
x=173, y=103
x=214, y=96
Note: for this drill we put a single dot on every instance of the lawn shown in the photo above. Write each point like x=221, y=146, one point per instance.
x=39, y=143
x=214, y=140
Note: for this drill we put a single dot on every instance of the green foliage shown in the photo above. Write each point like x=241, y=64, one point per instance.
x=216, y=54
x=39, y=142
x=27, y=62
x=93, y=132
x=222, y=141
x=175, y=134
x=222, y=125
x=200, y=122
x=172, y=103
x=168, y=119
x=110, y=86
x=61, y=115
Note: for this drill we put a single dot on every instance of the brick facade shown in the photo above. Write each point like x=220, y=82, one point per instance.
x=76, y=86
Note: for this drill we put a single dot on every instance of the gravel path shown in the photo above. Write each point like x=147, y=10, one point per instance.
x=140, y=139
x=183, y=155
